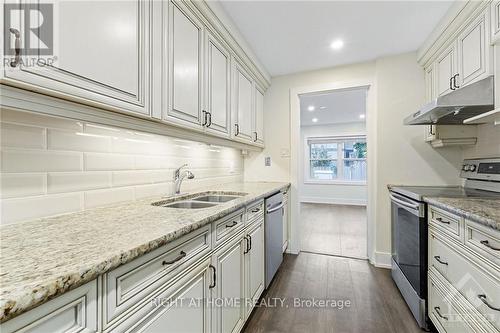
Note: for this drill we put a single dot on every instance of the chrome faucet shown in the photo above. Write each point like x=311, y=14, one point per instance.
x=179, y=177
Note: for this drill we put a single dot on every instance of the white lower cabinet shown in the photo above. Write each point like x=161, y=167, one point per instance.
x=228, y=288
x=254, y=268
x=75, y=311
x=205, y=281
x=464, y=274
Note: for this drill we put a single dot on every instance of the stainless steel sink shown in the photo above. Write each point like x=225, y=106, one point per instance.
x=189, y=204
x=216, y=198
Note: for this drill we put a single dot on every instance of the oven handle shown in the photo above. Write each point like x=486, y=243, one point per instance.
x=404, y=203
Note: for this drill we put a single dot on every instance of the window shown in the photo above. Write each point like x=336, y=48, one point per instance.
x=336, y=159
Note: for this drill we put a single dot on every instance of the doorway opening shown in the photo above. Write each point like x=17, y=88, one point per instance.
x=332, y=187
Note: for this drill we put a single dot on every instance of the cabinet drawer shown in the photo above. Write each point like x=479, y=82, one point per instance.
x=129, y=284
x=483, y=240
x=447, y=222
x=228, y=226
x=477, y=286
x=74, y=311
x=255, y=212
x=443, y=314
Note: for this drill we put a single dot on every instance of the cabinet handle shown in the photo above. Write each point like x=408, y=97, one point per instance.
x=437, y=308
x=237, y=129
x=17, y=46
x=231, y=225
x=204, y=118
x=214, y=277
x=439, y=219
x=451, y=83
x=250, y=237
x=170, y=262
x=455, y=85
x=438, y=259
x=256, y=210
x=487, y=244
x=247, y=248
x=482, y=297
x=431, y=130
x=209, y=119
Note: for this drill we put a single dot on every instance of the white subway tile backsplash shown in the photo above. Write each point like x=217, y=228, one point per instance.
x=57, y=165
x=40, y=120
x=21, y=136
x=108, y=161
x=145, y=191
x=77, y=181
x=27, y=208
x=14, y=160
x=109, y=196
x=80, y=141
x=22, y=184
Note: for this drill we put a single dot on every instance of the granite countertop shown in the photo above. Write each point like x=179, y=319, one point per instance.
x=482, y=210
x=44, y=258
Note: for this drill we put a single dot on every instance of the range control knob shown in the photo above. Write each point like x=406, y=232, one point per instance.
x=464, y=167
x=472, y=167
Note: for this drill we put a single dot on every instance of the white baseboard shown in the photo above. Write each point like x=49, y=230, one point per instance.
x=334, y=201
x=381, y=260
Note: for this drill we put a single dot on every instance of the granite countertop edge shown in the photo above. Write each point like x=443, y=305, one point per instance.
x=43, y=292
x=486, y=221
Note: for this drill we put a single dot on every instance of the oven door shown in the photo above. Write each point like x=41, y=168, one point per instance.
x=409, y=240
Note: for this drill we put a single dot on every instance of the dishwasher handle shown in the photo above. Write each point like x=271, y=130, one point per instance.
x=275, y=208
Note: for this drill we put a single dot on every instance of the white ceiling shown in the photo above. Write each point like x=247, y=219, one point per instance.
x=294, y=36
x=341, y=106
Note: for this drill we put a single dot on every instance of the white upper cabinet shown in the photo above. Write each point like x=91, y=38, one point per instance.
x=258, y=116
x=243, y=105
x=495, y=21
x=474, y=51
x=185, y=66
x=101, y=51
x=216, y=117
x=446, y=69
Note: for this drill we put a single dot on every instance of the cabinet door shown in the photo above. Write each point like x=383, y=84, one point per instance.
x=495, y=21
x=445, y=70
x=474, y=51
x=259, y=116
x=218, y=87
x=243, y=112
x=101, y=52
x=254, y=264
x=182, y=308
x=229, y=286
x=285, y=226
x=185, y=62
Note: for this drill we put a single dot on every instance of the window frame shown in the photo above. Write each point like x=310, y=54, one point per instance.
x=339, y=140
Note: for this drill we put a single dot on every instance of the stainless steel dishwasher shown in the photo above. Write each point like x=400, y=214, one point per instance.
x=274, y=235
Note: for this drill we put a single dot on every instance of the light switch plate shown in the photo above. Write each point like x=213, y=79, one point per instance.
x=267, y=161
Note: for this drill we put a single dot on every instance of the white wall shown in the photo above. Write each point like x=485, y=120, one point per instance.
x=351, y=194
x=402, y=155
x=54, y=165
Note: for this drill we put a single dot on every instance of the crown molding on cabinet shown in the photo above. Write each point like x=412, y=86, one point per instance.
x=236, y=46
x=27, y=101
x=461, y=13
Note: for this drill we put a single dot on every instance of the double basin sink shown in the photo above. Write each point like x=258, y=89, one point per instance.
x=197, y=201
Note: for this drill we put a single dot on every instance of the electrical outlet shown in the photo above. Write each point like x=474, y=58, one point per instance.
x=267, y=161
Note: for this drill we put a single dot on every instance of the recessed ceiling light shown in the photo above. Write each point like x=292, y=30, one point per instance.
x=315, y=120
x=310, y=108
x=322, y=107
x=337, y=44
x=362, y=116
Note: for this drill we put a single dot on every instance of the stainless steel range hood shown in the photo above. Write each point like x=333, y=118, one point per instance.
x=456, y=106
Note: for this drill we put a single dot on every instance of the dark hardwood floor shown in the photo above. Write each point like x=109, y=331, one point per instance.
x=376, y=305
